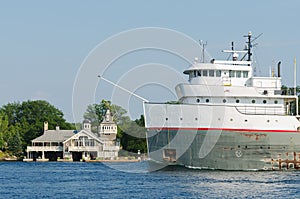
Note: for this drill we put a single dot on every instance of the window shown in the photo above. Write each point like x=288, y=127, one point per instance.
x=207, y=100
x=199, y=72
x=204, y=73
x=218, y=73
x=237, y=101
x=253, y=101
x=195, y=73
x=211, y=73
x=264, y=101
x=238, y=74
x=231, y=73
x=245, y=74
x=198, y=100
x=275, y=102
x=224, y=100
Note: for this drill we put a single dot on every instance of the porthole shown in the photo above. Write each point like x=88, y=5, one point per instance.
x=231, y=119
x=246, y=120
x=198, y=100
x=275, y=102
x=237, y=101
x=196, y=118
x=224, y=100
x=253, y=101
x=167, y=118
x=207, y=100
x=264, y=101
x=181, y=118
x=268, y=121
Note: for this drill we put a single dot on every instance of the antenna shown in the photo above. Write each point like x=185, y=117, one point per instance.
x=203, y=48
x=250, y=45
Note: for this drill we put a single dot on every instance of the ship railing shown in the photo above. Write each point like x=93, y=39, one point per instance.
x=260, y=110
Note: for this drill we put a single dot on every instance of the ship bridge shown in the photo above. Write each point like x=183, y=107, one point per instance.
x=225, y=73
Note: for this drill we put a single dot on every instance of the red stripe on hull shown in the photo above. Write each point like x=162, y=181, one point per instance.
x=223, y=129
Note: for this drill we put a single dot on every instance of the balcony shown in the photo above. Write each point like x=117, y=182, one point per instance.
x=44, y=148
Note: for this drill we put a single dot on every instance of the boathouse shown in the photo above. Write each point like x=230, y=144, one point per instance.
x=71, y=145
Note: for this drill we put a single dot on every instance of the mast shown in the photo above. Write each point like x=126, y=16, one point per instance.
x=249, y=45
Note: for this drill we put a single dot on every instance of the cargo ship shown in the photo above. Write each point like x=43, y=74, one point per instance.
x=226, y=118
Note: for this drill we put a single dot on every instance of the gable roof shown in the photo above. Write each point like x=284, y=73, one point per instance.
x=54, y=136
x=84, y=132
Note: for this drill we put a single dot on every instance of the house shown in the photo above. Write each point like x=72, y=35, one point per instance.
x=76, y=146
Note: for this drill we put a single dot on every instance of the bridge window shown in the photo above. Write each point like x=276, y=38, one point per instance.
x=231, y=73
x=218, y=73
x=238, y=74
x=211, y=73
x=204, y=73
x=245, y=74
x=195, y=73
x=199, y=73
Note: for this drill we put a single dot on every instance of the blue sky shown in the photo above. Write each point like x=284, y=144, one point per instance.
x=43, y=43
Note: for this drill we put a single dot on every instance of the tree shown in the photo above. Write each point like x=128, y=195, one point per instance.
x=134, y=137
x=96, y=112
x=25, y=122
x=290, y=90
x=3, y=132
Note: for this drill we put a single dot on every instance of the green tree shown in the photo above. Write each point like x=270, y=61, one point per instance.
x=134, y=137
x=14, y=141
x=96, y=112
x=3, y=131
x=25, y=122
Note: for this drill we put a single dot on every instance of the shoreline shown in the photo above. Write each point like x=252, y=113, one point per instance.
x=120, y=160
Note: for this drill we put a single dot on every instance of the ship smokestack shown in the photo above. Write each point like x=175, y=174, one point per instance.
x=278, y=65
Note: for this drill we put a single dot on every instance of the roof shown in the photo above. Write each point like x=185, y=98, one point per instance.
x=84, y=132
x=108, y=119
x=54, y=136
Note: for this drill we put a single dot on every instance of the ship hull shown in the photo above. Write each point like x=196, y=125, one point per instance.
x=224, y=149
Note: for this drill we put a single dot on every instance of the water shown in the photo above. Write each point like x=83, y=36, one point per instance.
x=97, y=180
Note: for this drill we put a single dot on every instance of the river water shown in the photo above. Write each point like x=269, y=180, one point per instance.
x=131, y=180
